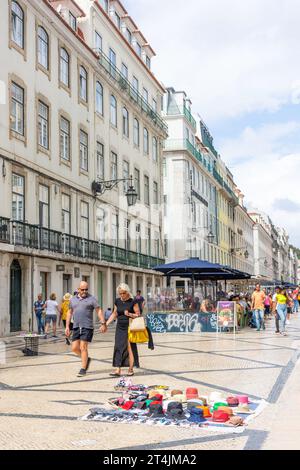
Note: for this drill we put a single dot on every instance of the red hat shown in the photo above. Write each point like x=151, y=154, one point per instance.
x=157, y=397
x=243, y=399
x=191, y=393
x=232, y=401
x=155, y=402
x=128, y=405
x=220, y=416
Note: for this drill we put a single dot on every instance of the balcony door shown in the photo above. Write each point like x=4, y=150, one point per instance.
x=15, y=300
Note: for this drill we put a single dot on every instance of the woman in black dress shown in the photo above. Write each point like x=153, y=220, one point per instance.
x=125, y=308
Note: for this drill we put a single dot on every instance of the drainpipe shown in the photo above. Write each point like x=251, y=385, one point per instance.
x=32, y=290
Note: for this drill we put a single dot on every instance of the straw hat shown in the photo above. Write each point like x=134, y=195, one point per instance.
x=67, y=296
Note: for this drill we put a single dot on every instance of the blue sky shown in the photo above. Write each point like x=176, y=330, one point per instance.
x=238, y=61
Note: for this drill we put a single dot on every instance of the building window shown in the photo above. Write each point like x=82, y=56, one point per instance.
x=148, y=241
x=128, y=35
x=115, y=229
x=113, y=110
x=72, y=21
x=156, y=244
x=17, y=24
x=66, y=213
x=18, y=200
x=114, y=166
x=166, y=246
x=124, y=71
x=64, y=67
x=127, y=233
x=84, y=219
x=104, y=4
x=43, y=48
x=99, y=98
x=146, y=190
x=98, y=42
x=17, y=109
x=136, y=132
x=138, y=49
x=145, y=95
x=44, y=213
x=125, y=122
x=138, y=238
x=137, y=183
x=125, y=175
x=64, y=139
x=155, y=192
x=117, y=20
x=112, y=63
x=148, y=62
x=100, y=161
x=154, y=149
x=83, y=150
x=43, y=125
x=83, y=84
x=135, y=85
x=100, y=224
x=154, y=105
x=146, y=141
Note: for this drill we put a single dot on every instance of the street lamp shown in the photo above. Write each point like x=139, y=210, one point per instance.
x=210, y=236
x=99, y=187
x=246, y=252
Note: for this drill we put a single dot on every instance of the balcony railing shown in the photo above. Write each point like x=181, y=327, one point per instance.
x=116, y=75
x=33, y=236
x=182, y=111
x=185, y=144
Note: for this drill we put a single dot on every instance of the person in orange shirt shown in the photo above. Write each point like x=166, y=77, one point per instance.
x=258, y=307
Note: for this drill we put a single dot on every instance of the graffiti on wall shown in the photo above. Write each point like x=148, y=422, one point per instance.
x=182, y=322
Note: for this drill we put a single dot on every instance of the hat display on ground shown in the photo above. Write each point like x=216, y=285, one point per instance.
x=176, y=392
x=191, y=393
x=175, y=410
x=232, y=401
x=181, y=398
x=243, y=408
x=243, y=399
x=226, y=409
x=196, y=416
x=218, y=404
x=220, y=417
x=204, y=400
x=194, y=402
x=236, y=421
x=156, y=410
x=206, y=411
x=215, y=397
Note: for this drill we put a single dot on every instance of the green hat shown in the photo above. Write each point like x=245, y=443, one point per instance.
x=219, y=403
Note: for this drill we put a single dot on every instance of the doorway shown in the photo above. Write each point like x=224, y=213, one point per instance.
x=15, y=301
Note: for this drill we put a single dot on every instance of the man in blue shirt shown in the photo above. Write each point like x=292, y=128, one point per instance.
x=39, y=306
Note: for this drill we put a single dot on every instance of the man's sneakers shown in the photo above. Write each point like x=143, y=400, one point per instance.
x=82, y=371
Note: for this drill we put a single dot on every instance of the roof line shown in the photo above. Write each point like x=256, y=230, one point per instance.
x=129, y=46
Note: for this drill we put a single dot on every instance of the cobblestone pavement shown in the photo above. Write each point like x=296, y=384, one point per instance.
x=41, y=397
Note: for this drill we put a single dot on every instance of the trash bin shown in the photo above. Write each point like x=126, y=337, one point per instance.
x=31, y=346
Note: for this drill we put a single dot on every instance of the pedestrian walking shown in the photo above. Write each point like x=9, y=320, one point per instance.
x=141, y=302
x=274, y=309
x=38, y=307
x=258, y=307
x=268, y=305
x=82, y=307
x=125, y=307
x=295, y=295
x=63, y=311
x=52, y=311
x=281, y=300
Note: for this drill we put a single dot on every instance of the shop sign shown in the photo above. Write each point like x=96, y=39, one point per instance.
x=60, y=267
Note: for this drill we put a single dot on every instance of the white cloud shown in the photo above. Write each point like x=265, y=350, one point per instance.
x=231, y=56
x=266, y=173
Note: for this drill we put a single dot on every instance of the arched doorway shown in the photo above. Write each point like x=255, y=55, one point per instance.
x=15, y=301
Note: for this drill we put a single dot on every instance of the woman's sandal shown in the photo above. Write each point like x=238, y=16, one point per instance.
x=115, y=374
x=130, y=373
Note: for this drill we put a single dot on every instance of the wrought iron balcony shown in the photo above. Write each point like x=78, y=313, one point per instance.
x=35, y=237
x=116, y=75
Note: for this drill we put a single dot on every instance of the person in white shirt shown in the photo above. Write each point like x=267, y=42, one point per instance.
x=52, y=311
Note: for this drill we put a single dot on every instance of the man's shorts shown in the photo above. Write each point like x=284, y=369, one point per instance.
x=50, y=318
x=82, y=334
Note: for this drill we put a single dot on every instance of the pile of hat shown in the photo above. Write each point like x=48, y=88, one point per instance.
x=157, y=402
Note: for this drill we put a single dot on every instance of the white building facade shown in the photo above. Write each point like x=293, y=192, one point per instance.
x=79, y=105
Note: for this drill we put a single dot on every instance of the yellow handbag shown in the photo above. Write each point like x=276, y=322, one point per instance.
x=138, y=336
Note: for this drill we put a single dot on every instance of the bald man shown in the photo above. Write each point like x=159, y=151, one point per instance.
x=82, y=307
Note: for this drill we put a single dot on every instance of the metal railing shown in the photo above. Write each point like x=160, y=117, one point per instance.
x=182, y=111
x=126, y=86
x=33, y=236
x=185, y=144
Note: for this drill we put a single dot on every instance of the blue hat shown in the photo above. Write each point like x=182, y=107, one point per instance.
x=196, y=415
